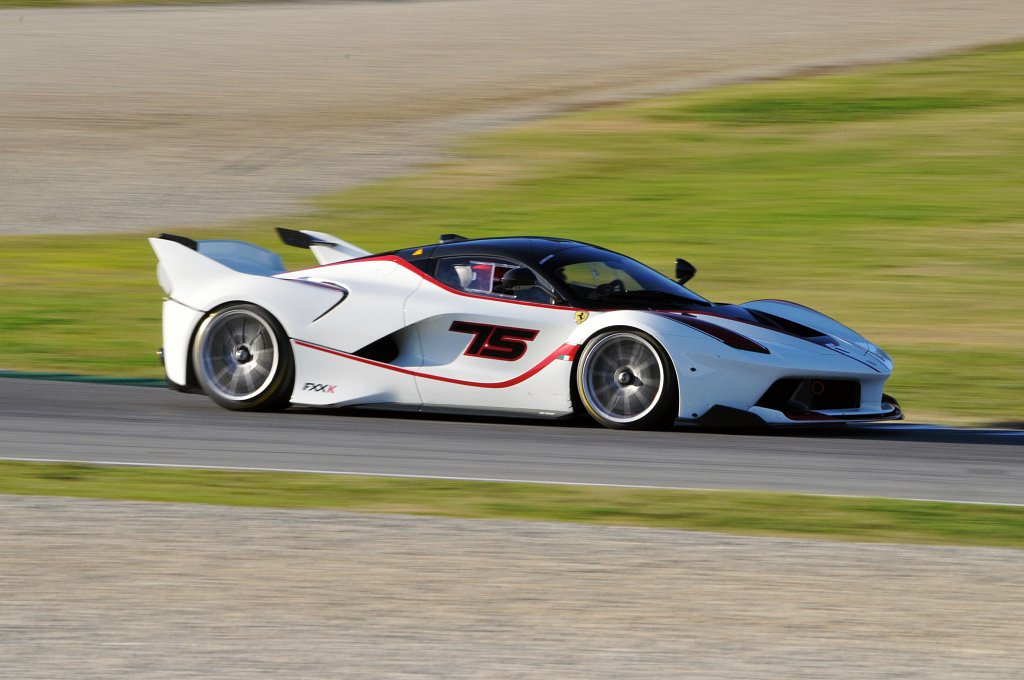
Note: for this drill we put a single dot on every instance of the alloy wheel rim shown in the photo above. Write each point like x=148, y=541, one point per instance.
x=623, y=377
x=239, y=355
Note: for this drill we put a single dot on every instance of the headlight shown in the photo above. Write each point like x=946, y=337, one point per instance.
x=879, y=353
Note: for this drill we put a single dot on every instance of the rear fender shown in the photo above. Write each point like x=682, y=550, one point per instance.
x=202, y=284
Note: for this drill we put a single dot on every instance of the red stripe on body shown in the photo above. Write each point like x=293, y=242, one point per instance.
x=565, y=349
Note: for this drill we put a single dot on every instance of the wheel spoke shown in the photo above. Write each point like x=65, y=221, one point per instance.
x=231, y=332
x=604, y=391
x=644, y=368
x=258, y=336
x=628, y=400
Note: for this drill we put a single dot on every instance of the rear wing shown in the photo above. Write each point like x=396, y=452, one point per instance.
x=185, y=263
x=249, y=258
x=204, y=274
x=326, y=248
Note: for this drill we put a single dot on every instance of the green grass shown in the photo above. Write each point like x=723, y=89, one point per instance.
x=891, y=198
x=762, y=514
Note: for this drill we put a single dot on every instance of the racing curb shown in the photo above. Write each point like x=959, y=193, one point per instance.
x=95, y=379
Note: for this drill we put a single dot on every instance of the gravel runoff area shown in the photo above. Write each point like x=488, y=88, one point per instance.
x=100, y=589
x=135, y=118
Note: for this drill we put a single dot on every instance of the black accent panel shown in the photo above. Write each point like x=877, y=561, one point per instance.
x=729, y=337
x=779, y=394
x=719, y=416
x=889, y=399
x=452, y=238
x=384, y=350
x=810, y=394
x=494, y=412
x=425, y=266
x=184, y=389
x=419, y=257
x=785, y=325
x=463, y=412
x=297, y=239
x=684, y=271
x=294, y=238
x=183, y=240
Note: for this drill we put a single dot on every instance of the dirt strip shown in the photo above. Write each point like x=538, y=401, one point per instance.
x=136, y=118
x=99, y=589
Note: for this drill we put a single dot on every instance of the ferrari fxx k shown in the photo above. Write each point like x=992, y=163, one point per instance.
x=536, y=326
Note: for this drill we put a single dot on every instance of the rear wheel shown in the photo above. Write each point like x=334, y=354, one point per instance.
x=625, y=380
x=242, y=359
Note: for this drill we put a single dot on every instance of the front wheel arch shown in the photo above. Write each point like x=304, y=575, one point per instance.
x=665, y=410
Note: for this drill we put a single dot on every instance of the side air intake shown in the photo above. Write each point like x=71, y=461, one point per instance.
x=797, y=395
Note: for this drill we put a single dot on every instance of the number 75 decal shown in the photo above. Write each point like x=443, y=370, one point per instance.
x=494, y=342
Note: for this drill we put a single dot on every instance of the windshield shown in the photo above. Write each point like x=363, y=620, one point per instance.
x=603, y=279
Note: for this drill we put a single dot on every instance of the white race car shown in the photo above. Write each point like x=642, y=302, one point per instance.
x=534, y=326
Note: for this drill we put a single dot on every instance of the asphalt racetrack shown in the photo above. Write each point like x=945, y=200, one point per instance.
x=149, y=426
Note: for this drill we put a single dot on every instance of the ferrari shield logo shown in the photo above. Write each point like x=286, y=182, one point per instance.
x=581, y=316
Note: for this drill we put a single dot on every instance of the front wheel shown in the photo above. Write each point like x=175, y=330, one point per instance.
x=625, y=380
x=242, y=359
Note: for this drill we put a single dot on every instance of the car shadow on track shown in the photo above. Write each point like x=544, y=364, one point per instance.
x=907, y=432
x=913, y=432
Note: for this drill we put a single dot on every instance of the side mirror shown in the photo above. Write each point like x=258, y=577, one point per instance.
x=518, y=277
x=684, y=271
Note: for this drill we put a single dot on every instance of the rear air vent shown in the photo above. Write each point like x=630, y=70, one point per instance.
x=384, y=350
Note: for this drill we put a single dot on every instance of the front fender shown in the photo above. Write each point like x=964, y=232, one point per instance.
x=849, y=341
x=704, y=366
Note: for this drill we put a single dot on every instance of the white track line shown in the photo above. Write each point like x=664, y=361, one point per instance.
x=115, y=463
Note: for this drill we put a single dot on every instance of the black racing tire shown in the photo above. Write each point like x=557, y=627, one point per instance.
x=625, y=380
x=243, y=360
